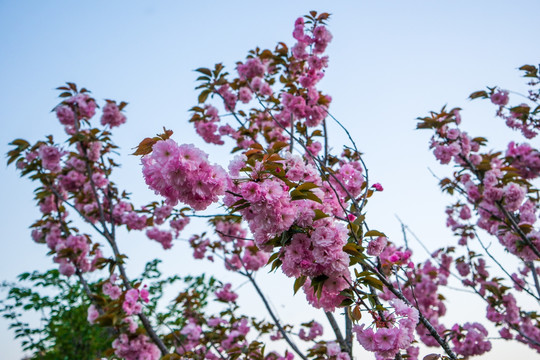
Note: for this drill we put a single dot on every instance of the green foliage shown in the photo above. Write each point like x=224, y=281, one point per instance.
x=62, y=306
x=64, y=332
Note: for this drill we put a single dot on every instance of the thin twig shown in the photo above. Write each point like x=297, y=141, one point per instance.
x=502, y=268
x=325, y=133
x=274, y=318
x=291, y=146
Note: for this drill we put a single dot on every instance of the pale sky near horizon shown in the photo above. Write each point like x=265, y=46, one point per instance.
x=390, y=62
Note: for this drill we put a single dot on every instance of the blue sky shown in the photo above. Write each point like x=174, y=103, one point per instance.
x=390, y=61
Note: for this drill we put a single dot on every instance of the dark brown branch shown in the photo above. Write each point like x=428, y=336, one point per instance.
x=517, y=229
x=112, y=241
x=349, y=334
x=422, y=318
x=532, y=267
x=339, y=337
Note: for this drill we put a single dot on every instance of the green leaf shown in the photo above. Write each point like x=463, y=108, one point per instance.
x=306, y=186
x=273, y=257
x=346, y=302
x=478, y=94
x=203, y=96
x=376, y=283
x=276, y=264
x=302, y=195
x=351, y=249
x=530, y=70
x=319, y=215
x=278, y=145
x=204, y=71
x=299, y=282
x=374, y=233
x=203, y=78
x=240, y=207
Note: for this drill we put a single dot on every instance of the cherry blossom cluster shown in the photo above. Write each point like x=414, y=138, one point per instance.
x=422, y=289
x=183, y=173
x=311, y=248
x=520, y=117
x=502, y=306
x=215, y=336
x=393, y=332
x=298, y=71
x=112, y=115
x=470, y=339
x=136, y=347
x=497, y=195
x=493, y=185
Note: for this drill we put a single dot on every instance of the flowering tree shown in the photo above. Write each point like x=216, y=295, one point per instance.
x=289, y=203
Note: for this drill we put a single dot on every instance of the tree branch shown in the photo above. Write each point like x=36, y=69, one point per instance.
x=422, y=318
x=274, y=318
x=335, y=327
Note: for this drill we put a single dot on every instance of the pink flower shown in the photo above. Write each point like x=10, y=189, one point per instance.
x=138, y=348
x=66, y=269
x=86, y=105
x=161, y=236
x=471, y=340
x=513, y=196
x=500, y=97
x=161, y=213
x=93, y=314
x=377, y=187
x=65, y=115
x=236, y=165
x=225, y=294
x=183, y=173
x=366, y=337
x=376, y=247
x=315, y=330
x=252, y=68
x=463, y=268
x=132, y=325
x=229, y=98
x=144, y=294
x=465, y=212
x=131, y=306
x=179, y=224
x=113, y=291
x=245, y=95
x=133, y=221
x=192, y=331
x=261, y=86
x=322, y=38
x=385, y=339
x=50, y=157
x=112, y=115
x=132, y=295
